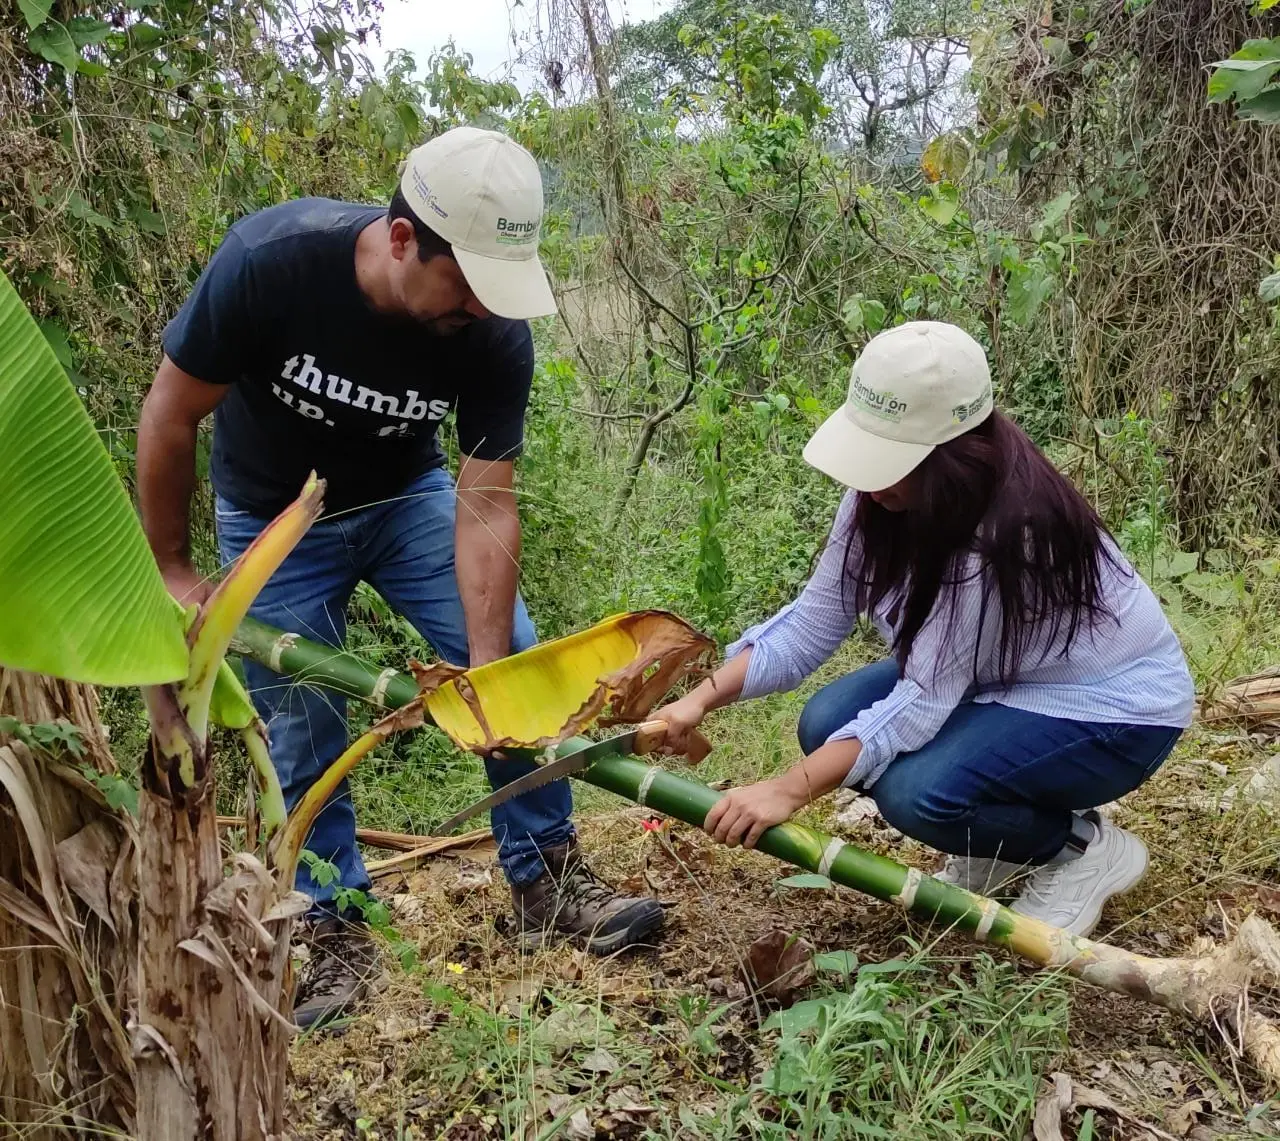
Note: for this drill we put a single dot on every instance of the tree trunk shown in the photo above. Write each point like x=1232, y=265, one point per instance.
x=215, y=976
x=99, y=928
x=67, y=923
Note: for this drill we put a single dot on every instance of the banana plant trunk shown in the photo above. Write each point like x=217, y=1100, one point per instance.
x=67, y=961
x=1211, y=988
x=211, y=1040
x=211, y=1036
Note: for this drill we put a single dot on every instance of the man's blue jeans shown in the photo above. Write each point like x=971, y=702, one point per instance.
x=995, y=781
x=404, y=549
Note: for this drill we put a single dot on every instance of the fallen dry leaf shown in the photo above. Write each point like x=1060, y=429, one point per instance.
x=1269, y=898
x=858, y=810
x=1087, y=1098
x=402, y=1028
x=573, y=1025
x=686, y=855
x=558, y=1104
x=599, y=1061
x=408, y=908
x=1050, y=1109
x=471, y=877
x=628, y=1099
x=1065, y=1095
x=1181, y=1120
x=573, y=968
x=579, y=1127
x=782, y=964
x=518, y=994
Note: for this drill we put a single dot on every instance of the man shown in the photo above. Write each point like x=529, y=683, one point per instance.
x=336, y=337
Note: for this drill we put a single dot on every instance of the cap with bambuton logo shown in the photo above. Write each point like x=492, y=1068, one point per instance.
x=914, y=386
x=482, y=193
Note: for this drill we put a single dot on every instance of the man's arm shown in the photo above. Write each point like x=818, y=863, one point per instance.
x=171, y=415
x=487, y=555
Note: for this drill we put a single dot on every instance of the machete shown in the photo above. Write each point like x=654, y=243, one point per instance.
x=643, y=739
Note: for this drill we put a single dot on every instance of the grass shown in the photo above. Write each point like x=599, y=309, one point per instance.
x=917, y=1047
x=484, y=1040
x=950, y=1045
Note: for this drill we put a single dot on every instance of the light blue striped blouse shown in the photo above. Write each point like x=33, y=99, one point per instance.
x=1126, y=668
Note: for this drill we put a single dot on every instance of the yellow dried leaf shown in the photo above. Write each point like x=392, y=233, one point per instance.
x=945, y=158
x=548, y=693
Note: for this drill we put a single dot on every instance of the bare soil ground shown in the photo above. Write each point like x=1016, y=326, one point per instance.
x=482, y=1039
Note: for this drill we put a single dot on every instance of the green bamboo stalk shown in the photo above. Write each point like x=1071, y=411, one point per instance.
x=312, y=662
x=1198, y=987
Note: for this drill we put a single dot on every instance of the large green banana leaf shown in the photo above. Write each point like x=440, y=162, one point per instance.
x=80, y=595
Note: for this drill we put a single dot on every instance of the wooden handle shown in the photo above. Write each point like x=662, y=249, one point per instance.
x=652, y=735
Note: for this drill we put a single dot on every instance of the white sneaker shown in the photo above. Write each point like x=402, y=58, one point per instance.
x=976, y=873
x=1071, y=895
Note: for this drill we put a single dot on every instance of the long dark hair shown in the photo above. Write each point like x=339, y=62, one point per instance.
x=990, y=492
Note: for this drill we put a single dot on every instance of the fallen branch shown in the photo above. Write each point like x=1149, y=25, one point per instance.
x=372, y=837
x=1212, y=988
x=482, y=839
x=1254, y=700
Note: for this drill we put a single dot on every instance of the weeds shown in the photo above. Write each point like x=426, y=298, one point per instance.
x=917, y=1048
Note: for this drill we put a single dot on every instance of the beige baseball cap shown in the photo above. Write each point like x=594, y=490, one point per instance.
x=482, y=193
x=914, y=386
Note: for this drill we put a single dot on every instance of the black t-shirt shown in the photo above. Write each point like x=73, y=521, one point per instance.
x=319, y=380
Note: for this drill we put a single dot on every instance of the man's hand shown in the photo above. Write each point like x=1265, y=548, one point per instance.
x=185, y=583
x=742, y=815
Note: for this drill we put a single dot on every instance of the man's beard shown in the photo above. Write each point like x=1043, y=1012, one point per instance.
x=448, y=324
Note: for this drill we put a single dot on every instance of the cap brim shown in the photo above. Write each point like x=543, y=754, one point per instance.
x=517, y=289
x=858, y=459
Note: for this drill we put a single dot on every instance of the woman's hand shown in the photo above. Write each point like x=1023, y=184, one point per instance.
x=681, y=717
x=742, y=815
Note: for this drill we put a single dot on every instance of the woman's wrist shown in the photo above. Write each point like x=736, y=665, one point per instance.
x=794, y=784
x=822, y=771
x=710, y=697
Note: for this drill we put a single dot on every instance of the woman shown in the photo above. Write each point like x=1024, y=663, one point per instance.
x=1033, y=675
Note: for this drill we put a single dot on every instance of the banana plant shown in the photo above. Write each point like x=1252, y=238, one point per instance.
x=1212, y=988
x=84, y=601
x=527, y=702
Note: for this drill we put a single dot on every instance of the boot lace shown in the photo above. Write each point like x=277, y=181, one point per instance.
x=583, y=888
x=336, y=962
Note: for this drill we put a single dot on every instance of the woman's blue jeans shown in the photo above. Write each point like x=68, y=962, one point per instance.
x=995, y=781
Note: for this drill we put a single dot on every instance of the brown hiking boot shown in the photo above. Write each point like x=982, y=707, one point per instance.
x=569, y=898
x=344, y=969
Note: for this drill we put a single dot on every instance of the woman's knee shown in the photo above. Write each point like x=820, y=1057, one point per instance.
x=815, y=724
x=922, y=811
x=839, y=702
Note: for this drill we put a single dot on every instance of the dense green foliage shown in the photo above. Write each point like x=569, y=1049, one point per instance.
x=740, y=195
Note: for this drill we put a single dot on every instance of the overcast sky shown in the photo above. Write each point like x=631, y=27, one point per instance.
x=483, y=28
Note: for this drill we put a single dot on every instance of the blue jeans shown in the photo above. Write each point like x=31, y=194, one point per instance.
x=995, y=781
x=404, y=549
